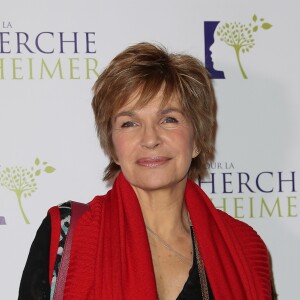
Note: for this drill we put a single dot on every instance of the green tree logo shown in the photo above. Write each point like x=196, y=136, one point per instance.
x=22, y=181
x=241, y=37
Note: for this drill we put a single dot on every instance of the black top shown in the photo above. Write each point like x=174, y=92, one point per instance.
x=35, y=279
x=35, y=284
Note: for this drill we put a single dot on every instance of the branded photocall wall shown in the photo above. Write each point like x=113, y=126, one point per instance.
x=50, y=55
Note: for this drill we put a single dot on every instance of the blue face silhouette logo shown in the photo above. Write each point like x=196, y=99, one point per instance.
x=209, y=31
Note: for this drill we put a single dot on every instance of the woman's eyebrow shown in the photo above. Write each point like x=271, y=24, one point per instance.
x=125, y=113
x=130, y=113
x=170, y=110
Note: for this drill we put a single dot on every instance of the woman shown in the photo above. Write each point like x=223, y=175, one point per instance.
x=155, y=234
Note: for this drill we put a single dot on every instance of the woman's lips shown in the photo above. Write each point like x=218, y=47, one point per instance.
x=152, y=162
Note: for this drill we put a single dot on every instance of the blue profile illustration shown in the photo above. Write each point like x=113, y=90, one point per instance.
x=209, y=31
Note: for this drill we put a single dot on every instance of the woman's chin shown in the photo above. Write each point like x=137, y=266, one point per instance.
x=148, y=185
x=156, y=183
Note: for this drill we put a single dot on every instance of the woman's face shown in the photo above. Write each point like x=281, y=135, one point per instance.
x=154, y=146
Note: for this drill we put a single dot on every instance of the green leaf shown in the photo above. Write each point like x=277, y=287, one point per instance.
x=254, y=18
x=37, y=172
x=266, y=26
x=49, y=169
x=262, y=19
x=255, y=28
x=44, y=163
x=37, y=162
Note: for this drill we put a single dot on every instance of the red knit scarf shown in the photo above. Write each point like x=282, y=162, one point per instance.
x=111, y=258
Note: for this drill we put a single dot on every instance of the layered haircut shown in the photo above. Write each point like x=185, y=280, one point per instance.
x=147, y=69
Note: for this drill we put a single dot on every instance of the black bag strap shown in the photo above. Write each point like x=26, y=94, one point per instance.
x=77, y=210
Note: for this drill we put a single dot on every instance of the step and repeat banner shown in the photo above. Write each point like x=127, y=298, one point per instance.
x=51, y=53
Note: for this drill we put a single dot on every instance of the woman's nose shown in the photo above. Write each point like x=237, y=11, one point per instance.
x=150, y=137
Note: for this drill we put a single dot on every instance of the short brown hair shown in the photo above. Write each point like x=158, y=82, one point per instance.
x=148, y=68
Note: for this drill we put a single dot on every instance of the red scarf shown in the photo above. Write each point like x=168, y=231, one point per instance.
x=111, y=258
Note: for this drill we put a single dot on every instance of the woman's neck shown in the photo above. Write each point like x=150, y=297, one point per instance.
x=164, y=210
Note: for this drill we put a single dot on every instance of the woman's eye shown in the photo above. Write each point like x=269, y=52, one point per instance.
x=128, y=124
x=170, y=120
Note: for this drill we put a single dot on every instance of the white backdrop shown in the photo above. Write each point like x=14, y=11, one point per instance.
x=49, y=53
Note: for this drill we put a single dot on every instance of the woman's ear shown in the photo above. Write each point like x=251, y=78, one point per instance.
x=195, y=151
x=113, y=157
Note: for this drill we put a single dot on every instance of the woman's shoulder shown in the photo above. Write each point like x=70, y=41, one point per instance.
x=56, y=210
x=98, y=200
x=247, y=240
x=240, y=228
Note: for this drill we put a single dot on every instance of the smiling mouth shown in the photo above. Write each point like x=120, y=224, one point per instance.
x=152, y=162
